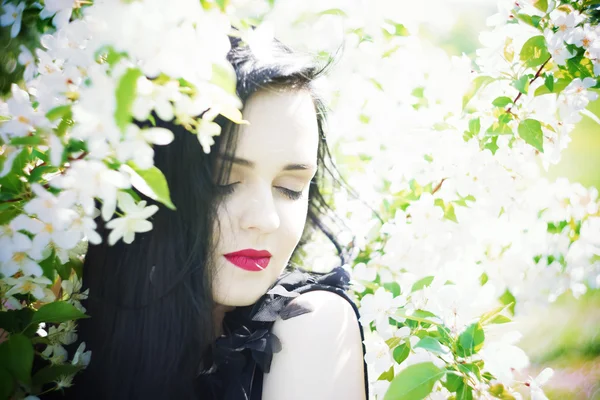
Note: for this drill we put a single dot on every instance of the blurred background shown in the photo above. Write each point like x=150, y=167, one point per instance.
x=565, y=336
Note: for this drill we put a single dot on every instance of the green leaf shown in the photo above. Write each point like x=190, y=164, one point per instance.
x=474, y=126
x=393, y=287
x=34, y=140
x=401, y=353
x=548, y=82
x=37, y=174
x=387, y=375
x=502, y=101
x=57, y=312
x=453, y=381
x=464, y=392
x=430, y=344
x=333, y=11
x=499, y=392
x=64, y=270
x=541, y=5
x=59, y=112
x=421, y=283
x=398, y=29
x=125, y=94
x=532, y=20
x=6, y=383
x=492, y=145
x=15, y=320
x=500, y=319
x=557, y=86
x=448, y=210
x=445, y=336
x=580, y=67
x=530, y=131
x=471, y=368
x=499, y=128
x=156, y=184
x=418, y=317
x=8, y=215
x=48, y=266
x=53, y=372
x=223, y=75
x=522, y=84
x=507, y=298
x=487, y=317
x=222, y=4
x=19, y=352
x=476, y=85
x=471, y=340
x=414, y=382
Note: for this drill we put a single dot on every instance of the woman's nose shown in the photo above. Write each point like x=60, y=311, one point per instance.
x=260, y=212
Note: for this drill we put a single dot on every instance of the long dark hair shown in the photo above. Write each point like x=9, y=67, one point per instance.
x=151, y=302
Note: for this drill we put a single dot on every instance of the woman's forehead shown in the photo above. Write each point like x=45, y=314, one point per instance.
x=282, y=128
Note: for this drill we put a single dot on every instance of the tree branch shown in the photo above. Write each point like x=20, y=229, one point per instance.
x=537, y=75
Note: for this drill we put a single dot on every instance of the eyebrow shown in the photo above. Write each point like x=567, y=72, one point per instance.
x=250, y=164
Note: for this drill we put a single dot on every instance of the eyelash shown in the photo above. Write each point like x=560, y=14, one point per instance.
x=290, y=194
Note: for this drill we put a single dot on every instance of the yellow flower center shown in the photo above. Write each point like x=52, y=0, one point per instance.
x=19, y=257
x=22, y=119
x=586, y=42
x=28, y=287
x=48, y=228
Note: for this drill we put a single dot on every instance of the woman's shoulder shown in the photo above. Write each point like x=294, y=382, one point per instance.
x=328, y=331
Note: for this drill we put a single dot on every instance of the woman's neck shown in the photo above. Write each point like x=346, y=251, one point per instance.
x=218, y=315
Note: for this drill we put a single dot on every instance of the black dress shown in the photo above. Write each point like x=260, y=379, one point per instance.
x=245, y=350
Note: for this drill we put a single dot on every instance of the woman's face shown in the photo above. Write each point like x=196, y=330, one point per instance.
x=264, y=208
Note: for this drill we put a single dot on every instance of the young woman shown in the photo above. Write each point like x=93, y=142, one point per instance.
x=206, y=305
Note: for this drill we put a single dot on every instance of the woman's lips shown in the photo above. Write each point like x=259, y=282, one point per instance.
x=250, y=259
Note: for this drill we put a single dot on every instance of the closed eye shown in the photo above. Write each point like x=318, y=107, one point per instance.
x=290, y=194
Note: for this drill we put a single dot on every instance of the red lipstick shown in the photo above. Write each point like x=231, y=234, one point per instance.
x=249, y=259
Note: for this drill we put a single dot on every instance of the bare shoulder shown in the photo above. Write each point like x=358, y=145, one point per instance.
x=321, y=356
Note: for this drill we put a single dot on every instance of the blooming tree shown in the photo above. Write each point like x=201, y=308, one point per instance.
x=447, y=150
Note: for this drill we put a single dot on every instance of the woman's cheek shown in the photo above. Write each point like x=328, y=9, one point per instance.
x=295, y=219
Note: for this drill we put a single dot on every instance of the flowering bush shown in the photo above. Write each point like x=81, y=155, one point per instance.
x=467, y=232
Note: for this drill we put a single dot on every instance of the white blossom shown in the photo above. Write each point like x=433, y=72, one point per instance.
x=36, y=286
x=134, y=221
x=27, y=60
x=13, y=15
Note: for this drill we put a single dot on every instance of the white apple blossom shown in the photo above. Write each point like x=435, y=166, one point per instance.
x=155, y=97
x=556, y=47
x=82, y=357
x=14, y=257
x=27, y=60
x=61, y=9
x=90, y=179
x=565, y=22
x=72, y=289
x=379, y=307
x=64, y=334
x=362, y=272
x=502, y=358
x=535, y=385
x=36, y=286
x=377, y=355
x=134, y=221
x=13, y=15
x=575, y=98
x=24, y=117
x=136, y=145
